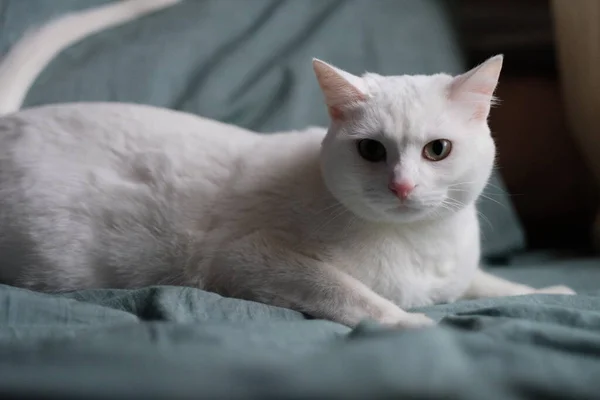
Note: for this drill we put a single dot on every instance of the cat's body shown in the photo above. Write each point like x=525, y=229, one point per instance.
x=375, y=214
x=135, y=209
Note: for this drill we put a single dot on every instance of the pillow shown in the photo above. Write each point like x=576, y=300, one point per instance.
x=252, y=67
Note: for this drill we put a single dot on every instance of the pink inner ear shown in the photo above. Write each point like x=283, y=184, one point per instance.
x=484, y=89
x=340, y=88
x=339, y=92
x=475, y=90
x=468, y=84
x=335, y=113
x=480, y=80
x=481, y=112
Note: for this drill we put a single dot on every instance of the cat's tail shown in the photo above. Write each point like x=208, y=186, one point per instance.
x=20, y=67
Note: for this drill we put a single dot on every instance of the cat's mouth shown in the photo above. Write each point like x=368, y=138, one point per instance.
x=413, y=208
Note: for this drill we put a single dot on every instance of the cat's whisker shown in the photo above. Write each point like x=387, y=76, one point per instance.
x=452, y=188
x=480, y=214
x=495, y=186
x=492, y=200
x=458, y=190
x=454, y=205
x=468, y=191
x=460, y=183
x=450, y=207
x=486, y=219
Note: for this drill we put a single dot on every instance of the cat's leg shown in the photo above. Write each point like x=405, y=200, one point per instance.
x=256, y=269
x=487, y=285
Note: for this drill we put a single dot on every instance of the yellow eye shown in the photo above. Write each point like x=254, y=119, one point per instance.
x=437, y=150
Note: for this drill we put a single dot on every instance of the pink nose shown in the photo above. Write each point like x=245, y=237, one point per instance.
x=402, y=189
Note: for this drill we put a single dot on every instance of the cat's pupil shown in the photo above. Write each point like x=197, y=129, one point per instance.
x=371, y=150
x=438, y=147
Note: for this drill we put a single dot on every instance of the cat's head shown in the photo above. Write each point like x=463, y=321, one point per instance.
x=407, y=148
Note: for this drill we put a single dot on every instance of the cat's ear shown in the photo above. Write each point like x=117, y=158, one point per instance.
x=474, y=90
x=340, y=88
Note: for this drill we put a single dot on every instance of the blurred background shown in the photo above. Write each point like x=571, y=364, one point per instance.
x=247, y=62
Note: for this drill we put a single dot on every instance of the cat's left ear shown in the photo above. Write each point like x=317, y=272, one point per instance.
x=340, y=88
x=474, y=90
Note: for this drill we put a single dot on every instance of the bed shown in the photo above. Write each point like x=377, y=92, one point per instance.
x=248, y=63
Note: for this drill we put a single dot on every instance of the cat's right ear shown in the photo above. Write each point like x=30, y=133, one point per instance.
x=340, y=88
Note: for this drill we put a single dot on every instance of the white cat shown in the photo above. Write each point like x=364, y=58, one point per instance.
x=365, y=219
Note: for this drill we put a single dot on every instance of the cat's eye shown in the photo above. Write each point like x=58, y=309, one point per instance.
x=437, y=150
x=371, y=150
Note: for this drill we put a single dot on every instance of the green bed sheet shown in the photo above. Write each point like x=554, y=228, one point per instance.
x=184, y=343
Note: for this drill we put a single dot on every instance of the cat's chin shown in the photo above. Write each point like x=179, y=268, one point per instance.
x=416, y=211
x=408, y=214
x=398, y=214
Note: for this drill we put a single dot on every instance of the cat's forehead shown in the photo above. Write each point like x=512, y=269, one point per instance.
x=404, y=106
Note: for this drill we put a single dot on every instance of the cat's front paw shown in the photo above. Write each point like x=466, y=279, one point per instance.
x=559, y=289
x=414, y=320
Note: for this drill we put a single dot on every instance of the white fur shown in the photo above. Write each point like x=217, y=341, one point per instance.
x=27, y=59
x=121, y=195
